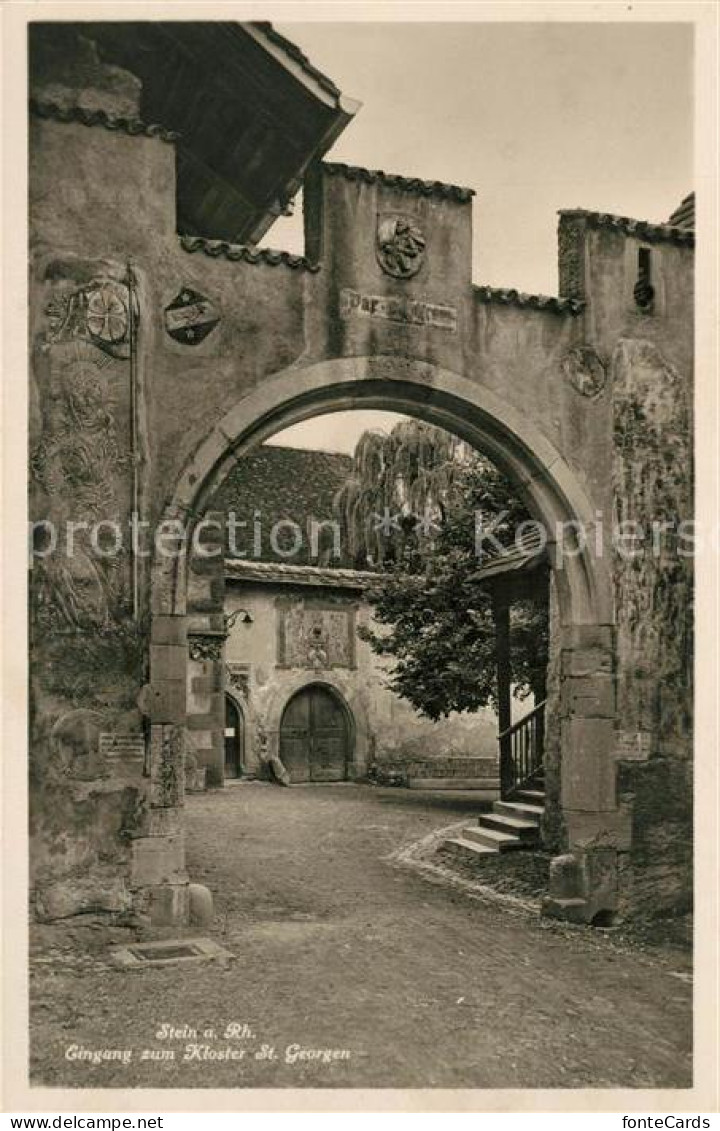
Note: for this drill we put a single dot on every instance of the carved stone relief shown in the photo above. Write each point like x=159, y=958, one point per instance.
x=206, y=647
x=585, y=371
x=399, y=245
x=238, y=678
x=80, y=449
x=316, y=636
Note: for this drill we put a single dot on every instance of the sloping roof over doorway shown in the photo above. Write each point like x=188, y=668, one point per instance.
x=276, y=573
x=525, y=554
x=251, y=110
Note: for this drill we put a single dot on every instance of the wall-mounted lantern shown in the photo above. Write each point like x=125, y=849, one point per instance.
x=232, y=618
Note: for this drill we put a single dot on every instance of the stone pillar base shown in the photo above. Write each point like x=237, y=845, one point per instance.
x=176, y=905
x=583, y=887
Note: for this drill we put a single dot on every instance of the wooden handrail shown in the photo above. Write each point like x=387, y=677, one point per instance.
x=522, y=749
x=521, y=722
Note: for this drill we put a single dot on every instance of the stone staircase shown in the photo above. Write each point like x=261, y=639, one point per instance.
x=510, y=825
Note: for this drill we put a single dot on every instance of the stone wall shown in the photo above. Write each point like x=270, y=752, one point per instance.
x=654, y=600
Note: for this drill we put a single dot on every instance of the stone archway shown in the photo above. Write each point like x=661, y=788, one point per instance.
x=552, y=491
x=554, y=494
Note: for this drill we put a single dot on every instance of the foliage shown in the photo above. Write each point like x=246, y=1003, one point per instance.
x=434, y=621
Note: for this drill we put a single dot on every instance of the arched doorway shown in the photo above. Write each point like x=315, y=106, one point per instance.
x=234, y=739
x=315, y=735
x=555, y=494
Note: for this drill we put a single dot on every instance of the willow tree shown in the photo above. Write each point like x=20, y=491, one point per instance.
x=397, y=478
x=410, y=511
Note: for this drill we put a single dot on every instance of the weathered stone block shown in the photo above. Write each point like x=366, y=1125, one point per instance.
x=588, y=779
x=158, y=860
x=573, y=910
x=167, y=749
x=588, y=636
x=586, y=661
x=168, y=629
x=588, y=696
x=199, y=592
x=76, y=895
x=163, y=822
x=156, y=822
x=168, y=588
x=167, y=701
x=201, y=906
x=601, y=879
x=600, y=830
x=566, y=877
x=169, y=905
x=168, y=662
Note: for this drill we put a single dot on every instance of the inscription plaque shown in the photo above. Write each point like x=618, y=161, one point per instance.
x=410, y=312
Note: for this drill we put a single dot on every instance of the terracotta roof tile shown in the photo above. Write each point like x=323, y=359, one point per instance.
x=132, y=126
x=643, y=229
x=394, y=180
x=235, y=252
x=511, y=297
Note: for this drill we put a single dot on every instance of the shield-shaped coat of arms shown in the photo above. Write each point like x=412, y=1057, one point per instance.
x=400, y=245
x=190, y=317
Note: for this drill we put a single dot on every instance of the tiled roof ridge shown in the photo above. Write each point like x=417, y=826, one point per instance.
x=235, y=252
x=395, y=180
x=133, y=126
x=508, y=296
x=642, y=228
x=297, y=55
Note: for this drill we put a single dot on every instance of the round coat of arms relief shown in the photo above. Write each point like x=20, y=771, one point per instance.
x=400, y=246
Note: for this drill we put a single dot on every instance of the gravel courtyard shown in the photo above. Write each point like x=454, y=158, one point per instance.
x=350, y=971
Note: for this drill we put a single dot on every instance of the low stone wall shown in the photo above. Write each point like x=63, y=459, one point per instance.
x=405, y=771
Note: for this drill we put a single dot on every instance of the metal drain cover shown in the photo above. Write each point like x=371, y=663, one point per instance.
x=170, y=952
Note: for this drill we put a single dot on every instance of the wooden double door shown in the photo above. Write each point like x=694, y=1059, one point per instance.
x=315, y=736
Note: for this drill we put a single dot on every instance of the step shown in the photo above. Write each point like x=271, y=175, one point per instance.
x=492, y=838
x=532, y=796
x=519, y=809
x=471, y=846
x=526, y=830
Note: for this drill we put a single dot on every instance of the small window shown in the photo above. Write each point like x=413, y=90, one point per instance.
x=644, y=292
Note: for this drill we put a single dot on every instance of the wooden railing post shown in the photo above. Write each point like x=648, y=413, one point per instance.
x=522, y=750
